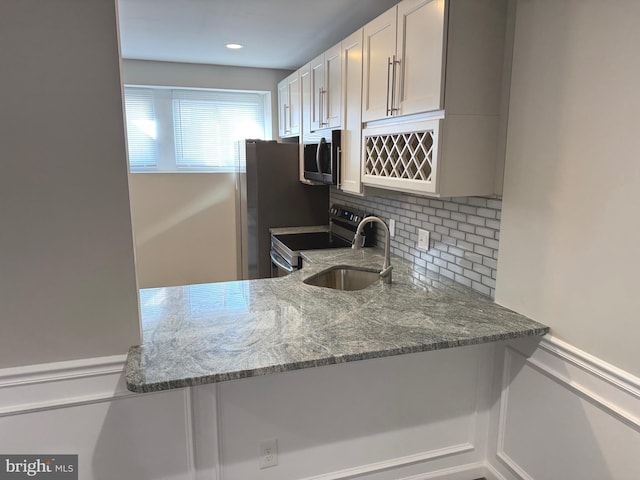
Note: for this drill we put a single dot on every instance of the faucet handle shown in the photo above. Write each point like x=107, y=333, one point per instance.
x=358, y=240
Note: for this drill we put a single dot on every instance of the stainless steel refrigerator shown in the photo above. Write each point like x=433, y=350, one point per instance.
x=270, y=194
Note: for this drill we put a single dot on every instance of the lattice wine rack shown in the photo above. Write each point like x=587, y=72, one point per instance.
x=404, y=155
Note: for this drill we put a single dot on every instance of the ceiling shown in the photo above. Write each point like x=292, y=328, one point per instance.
x=275, y=33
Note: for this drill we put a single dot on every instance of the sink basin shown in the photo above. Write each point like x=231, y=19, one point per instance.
x=344, y=278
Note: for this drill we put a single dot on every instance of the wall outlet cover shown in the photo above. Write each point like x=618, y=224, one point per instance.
x=423, y=239
x=268, y=453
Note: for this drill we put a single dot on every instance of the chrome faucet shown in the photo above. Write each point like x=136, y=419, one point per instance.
x=385, y=273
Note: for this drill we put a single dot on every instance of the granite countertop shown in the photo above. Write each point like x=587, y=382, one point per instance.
x=209, y=333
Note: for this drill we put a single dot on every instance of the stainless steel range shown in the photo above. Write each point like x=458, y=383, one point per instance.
x=343, y=223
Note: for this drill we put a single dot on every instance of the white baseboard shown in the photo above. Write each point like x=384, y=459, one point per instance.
x=462, y=472
x=396, y=463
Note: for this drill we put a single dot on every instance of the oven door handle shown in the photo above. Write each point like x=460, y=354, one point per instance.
x=280, y=262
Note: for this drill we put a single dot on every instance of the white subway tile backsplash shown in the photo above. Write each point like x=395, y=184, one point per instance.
x=463, y=280
x=486, y=213
x=475, y=220
x=485, y=232
x=461, y=217
x=479, y=287
x=465, y=234
x=468, y=209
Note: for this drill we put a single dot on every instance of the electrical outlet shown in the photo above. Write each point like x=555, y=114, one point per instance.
x=268, y=453
x=423, y=239
x=392, y=227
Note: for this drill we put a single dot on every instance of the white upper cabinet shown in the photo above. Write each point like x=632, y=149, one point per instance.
x=379, y=49
x=289, y=106
x=326, y=90
x=419, y=57
x=351, y=141
x=403, y=58
x=318, y=90
x=432, y=104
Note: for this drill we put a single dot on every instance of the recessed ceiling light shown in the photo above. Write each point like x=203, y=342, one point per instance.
x=234, y=46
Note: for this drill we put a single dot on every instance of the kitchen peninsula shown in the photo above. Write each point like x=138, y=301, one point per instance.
x=198, y=334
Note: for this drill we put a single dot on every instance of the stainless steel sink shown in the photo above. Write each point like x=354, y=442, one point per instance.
x=344, y=278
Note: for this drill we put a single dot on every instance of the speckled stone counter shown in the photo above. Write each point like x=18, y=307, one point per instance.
x=210, y=333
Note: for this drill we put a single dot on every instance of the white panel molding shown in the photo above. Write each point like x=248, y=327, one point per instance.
x=610, y=389
x=207, y=434
x=190, y=438
x=62, y=384
x=48, y=372
x=462, y=472
x=395, y=463
x=502, y=423
x=218, y=434
x=55, y=385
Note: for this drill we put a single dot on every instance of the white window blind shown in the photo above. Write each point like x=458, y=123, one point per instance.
x=195, y=130
x=141, y=128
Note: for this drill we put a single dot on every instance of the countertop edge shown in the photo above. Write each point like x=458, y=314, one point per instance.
x=138, y=387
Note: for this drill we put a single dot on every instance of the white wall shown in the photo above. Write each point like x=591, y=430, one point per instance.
x=67, y=280
x=569, y=233
x=169, y=74
x=568, y=258
x=185, y=228
x=185, y=223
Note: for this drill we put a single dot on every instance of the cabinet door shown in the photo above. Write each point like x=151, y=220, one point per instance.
x=333, y=82
x=293, y=86
x=379, y=48
x=283, y=107
x=317, y=93
x=304, y=75
x=420, y=44
x=350, y=161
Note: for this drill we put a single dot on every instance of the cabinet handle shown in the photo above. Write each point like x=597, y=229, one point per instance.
x=319, y=106
x=388, y=82
x=339, y=163
x=393, y=86
x=321, y=97
x=287, y=130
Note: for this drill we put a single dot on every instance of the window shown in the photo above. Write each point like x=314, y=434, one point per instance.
x=170, y=130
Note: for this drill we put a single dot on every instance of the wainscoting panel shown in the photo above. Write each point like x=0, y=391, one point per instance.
x=414, y=416
x=563, y=414
x=82, y=408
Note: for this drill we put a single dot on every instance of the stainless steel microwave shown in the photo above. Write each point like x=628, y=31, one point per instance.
x=322, y=160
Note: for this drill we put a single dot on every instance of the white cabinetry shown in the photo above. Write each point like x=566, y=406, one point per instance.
x=351, y=156
x=306, y=135
x=304, y=74
x=403, y=58
x=432, y=113
x=289, y=106
x=326, y=86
